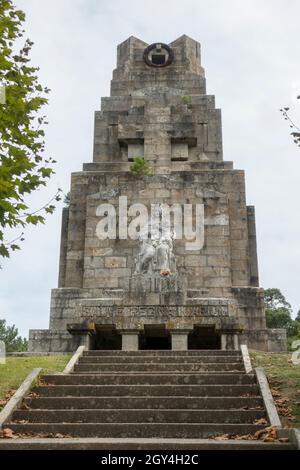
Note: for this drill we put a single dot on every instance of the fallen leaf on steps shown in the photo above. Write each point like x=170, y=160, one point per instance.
x=223, y=437
x=261, y=421
x=7, y=433
x=244, y=437
x=267, y=434
x=269, y=439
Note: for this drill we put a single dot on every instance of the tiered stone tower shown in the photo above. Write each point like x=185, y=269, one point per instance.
x=156, y=294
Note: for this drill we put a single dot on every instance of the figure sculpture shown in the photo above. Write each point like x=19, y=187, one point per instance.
x=156, y=256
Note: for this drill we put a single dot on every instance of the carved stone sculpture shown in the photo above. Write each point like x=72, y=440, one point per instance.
x=144, y=262
x=156, y=256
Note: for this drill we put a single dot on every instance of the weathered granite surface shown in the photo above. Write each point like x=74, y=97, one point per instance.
x=162, y=112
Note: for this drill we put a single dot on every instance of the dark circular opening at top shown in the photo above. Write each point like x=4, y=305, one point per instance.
x=158, y=55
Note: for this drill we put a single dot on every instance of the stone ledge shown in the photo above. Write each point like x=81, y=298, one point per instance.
x=18, y=396
x=137, y=444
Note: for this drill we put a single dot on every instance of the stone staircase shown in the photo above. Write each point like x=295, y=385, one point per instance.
x=146, y=399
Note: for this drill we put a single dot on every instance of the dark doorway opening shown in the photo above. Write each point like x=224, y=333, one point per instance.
x=106, y=337
x=204, y=337
x=155, y=337
x=158, y=59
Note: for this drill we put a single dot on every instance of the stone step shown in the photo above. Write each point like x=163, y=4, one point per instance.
x=159, y=359
x=147, y=390
x=144, y=430
x=169, y=367
x=137, y=444
x=149, y=379
x=138, y=416
x=161, y=352
x=162, y=402
x=147, y=396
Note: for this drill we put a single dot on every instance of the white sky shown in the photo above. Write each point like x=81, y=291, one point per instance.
x=250, y=51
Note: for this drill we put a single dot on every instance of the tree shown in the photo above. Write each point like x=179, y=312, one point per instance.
x=67, y=199
x=281, y=318
x=23, y=166
x=294, y=127
x=274, y=299
x=10, y=336
x=278, y=312
x=298, y=317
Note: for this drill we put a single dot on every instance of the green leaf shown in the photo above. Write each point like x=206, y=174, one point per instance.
x=23, y=167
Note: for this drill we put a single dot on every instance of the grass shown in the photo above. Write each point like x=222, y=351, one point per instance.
x=284, y=378
x=16, y=369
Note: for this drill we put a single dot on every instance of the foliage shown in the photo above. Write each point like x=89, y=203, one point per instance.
x=67, y=199
x=291, y=339
x=140, y=167
x=23, y=166
x=187, y=100
x=294, y=128
x=11, y=338
x=278, y=312
x=281, y=318
x=275, y=299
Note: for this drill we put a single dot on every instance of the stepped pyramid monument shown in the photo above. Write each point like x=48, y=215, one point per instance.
x=158, y=245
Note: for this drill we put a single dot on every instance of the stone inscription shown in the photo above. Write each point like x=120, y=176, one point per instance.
x=153, y=311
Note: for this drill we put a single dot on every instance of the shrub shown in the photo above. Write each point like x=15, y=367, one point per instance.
x=140, y=167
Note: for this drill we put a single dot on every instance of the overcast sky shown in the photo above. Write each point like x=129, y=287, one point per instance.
x=250, y=51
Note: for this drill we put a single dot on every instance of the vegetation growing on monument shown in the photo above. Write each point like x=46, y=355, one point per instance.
x=23, y=165
x=278, y=313
x=140, y=167
x=10, y=336
x=187, y=100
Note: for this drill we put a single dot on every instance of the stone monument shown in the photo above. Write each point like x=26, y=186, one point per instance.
x=158, y=289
